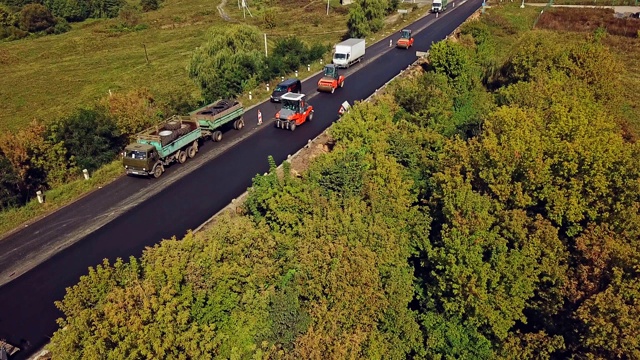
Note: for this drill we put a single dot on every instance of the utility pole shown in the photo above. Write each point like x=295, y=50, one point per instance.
x=522, y=6
x=265, y=45
x=327, y=7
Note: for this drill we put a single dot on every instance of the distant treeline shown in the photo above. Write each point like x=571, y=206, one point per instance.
x=20, y=18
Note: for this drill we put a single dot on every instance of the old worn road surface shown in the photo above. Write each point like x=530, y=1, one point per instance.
x=39, y=261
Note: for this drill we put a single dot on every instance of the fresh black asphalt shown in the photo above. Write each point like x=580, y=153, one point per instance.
x=27, y=312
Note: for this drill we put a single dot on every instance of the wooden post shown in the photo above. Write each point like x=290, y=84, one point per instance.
x=145, y=52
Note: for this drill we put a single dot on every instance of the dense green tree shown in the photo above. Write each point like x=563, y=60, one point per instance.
x=357, y=22
x=71, y=10
x=228, y=63
x=91, y=137
x=106, y=8
x=10, y=185
x=367, y=16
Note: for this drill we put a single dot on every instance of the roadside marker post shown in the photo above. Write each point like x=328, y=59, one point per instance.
x=259, y=117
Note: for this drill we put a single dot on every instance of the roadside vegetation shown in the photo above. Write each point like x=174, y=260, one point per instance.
x=484, y=206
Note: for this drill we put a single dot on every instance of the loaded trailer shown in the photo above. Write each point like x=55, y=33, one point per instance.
x=211, y=117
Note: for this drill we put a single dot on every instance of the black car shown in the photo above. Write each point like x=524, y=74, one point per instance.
x=290, y=85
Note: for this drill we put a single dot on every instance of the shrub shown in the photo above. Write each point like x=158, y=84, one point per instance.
x=61, y=27
x=132, y=111
x=36, y=17
x=270, y=18
x=129, y=16
x=90, y=136
x=7, y=16
x=149, y=5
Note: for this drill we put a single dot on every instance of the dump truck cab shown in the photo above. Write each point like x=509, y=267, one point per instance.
x=295, y=111
x=406, y=39
x=142, y=159
x=331, y=79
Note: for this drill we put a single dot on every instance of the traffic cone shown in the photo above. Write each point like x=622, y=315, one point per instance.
x=259, y=118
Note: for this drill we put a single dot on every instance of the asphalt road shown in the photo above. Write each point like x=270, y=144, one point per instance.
x=38, y=262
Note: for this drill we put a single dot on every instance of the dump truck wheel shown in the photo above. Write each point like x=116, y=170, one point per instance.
x=333, y=89
x=157, y=171
x=292, y=127
x=191, y=152
x=240, y=123
x=164, y=140
x=342, y=83
x=217, y=136
x=310, y=116
x=182, y=156
x=172, y=125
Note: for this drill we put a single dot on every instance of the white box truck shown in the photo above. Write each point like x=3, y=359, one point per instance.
x=438, y=6
x=348, y=52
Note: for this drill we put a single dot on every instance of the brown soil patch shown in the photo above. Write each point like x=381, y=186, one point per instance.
x=587, y=20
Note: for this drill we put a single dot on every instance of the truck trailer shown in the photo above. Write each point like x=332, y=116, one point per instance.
x=349, y=52
x=177, y=138
x=211, y=117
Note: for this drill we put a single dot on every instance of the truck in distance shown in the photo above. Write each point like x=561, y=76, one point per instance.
x=331, y=79
x=438, y=6
x=177, y=138
x=349, y=52
x=295, y=111
x=406, y=39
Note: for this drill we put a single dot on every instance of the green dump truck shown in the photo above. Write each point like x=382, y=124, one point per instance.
x=177, y=138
